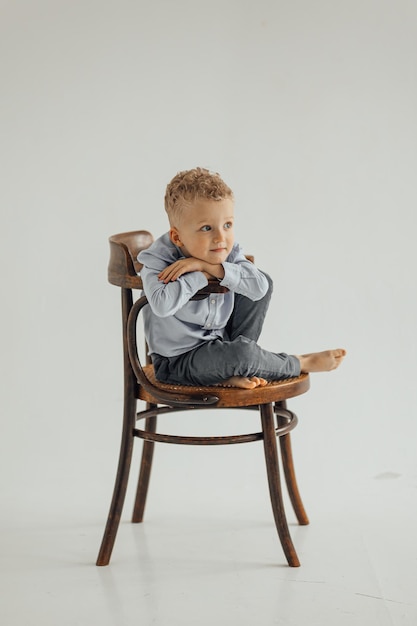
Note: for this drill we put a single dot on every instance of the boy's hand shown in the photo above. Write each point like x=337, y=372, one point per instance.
x=190, y=264
x=183, y=266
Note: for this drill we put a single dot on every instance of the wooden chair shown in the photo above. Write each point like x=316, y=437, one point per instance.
x=140, y=384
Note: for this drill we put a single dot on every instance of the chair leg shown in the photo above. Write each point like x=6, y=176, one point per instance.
x=145, y=472
x=272, y=467
x=122, y=476
x=289, y=472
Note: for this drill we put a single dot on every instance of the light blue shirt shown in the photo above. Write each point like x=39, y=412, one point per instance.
x=173, y=323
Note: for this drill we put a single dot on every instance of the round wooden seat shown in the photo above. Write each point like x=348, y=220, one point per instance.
x=274, y=391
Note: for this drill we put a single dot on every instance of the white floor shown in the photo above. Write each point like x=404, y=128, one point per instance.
x=208, y=552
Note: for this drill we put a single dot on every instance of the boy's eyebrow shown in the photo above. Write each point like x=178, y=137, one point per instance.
x=203, y=221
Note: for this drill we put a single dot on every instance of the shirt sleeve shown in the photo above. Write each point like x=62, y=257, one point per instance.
x=243, y=277
x=167, y=299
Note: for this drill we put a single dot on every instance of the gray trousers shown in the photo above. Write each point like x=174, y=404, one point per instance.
x=237, y=354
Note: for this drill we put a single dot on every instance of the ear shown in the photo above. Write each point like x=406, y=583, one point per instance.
x=175, y=236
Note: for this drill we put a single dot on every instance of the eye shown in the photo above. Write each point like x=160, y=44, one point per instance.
x=205, y=229
x=228, y=225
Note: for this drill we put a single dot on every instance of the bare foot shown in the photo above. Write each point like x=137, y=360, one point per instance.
x=244, y=382
x=321, y=361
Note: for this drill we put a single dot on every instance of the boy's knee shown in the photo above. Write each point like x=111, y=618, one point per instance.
x=243, y=348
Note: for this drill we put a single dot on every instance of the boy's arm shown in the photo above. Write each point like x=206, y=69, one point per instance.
x=243, y=277
x=191, y=264
x=167, y=298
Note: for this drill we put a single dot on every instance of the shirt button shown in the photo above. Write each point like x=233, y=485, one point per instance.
x=213, y=301
x=208, y=325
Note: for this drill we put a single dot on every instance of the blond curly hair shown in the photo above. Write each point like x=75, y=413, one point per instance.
x=189, y=185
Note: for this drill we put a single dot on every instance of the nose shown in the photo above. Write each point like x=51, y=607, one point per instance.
x=217, y=235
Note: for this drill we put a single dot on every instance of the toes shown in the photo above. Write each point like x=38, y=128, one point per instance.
x=259, y=382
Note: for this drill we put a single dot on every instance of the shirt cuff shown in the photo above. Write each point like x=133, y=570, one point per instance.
x=232, y=276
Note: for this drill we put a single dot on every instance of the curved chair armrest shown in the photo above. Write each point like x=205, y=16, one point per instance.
x=160, y=395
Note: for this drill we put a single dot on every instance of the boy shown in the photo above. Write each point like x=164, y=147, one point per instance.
x=212, y=341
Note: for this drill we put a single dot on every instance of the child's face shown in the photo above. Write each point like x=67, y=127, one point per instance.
x=205, y=230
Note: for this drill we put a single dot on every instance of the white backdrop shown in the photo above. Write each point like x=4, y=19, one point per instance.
x=308, y=110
